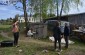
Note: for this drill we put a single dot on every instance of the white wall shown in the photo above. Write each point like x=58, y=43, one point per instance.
x=21, y=19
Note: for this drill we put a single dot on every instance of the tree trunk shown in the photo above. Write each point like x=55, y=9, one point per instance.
x=57, y=10
x=61, y=8
x=25, y=16
x=40, y=10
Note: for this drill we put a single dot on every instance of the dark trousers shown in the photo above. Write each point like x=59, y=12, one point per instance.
x=16, y=36
x=59, y=42
x=66, y=40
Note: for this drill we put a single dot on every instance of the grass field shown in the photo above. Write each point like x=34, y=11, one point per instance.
x=5, y=27
x=2, y=38
x=30, y=46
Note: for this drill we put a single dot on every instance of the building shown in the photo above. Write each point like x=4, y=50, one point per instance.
x=78, y=19
x=30, y=19
x=21, y=19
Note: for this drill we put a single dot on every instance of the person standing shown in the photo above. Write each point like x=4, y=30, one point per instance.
x=15, y=31
x=66, y=34
x=57, y=36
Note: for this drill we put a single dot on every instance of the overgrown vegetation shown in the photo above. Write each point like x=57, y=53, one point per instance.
x=2, y=38
x=5, y=27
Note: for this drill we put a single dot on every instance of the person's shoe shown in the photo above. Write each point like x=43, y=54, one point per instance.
x=17, y=46
x=60, y=50
x=58, y=53
x=56, y=49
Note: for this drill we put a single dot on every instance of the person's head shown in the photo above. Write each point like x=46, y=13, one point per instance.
x=66, y=24
x=57, y=23
x=15, y=21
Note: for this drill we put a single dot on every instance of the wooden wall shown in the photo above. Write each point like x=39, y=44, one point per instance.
x=77, y=19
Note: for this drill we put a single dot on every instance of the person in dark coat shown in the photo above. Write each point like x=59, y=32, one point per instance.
x=57, y=36
x=66, y=34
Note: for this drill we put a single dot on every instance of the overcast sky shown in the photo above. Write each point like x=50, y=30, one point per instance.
x=11, y=11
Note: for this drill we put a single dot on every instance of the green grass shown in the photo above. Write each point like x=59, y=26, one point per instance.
x=36, y=47
x=5, y=27
x=78, y=48
x=2, y=38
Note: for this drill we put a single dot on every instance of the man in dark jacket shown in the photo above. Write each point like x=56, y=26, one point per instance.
x=57, y=35
x=66, y=34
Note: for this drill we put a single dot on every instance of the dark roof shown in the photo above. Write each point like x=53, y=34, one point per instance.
x=74, y=14
x=63, y=17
